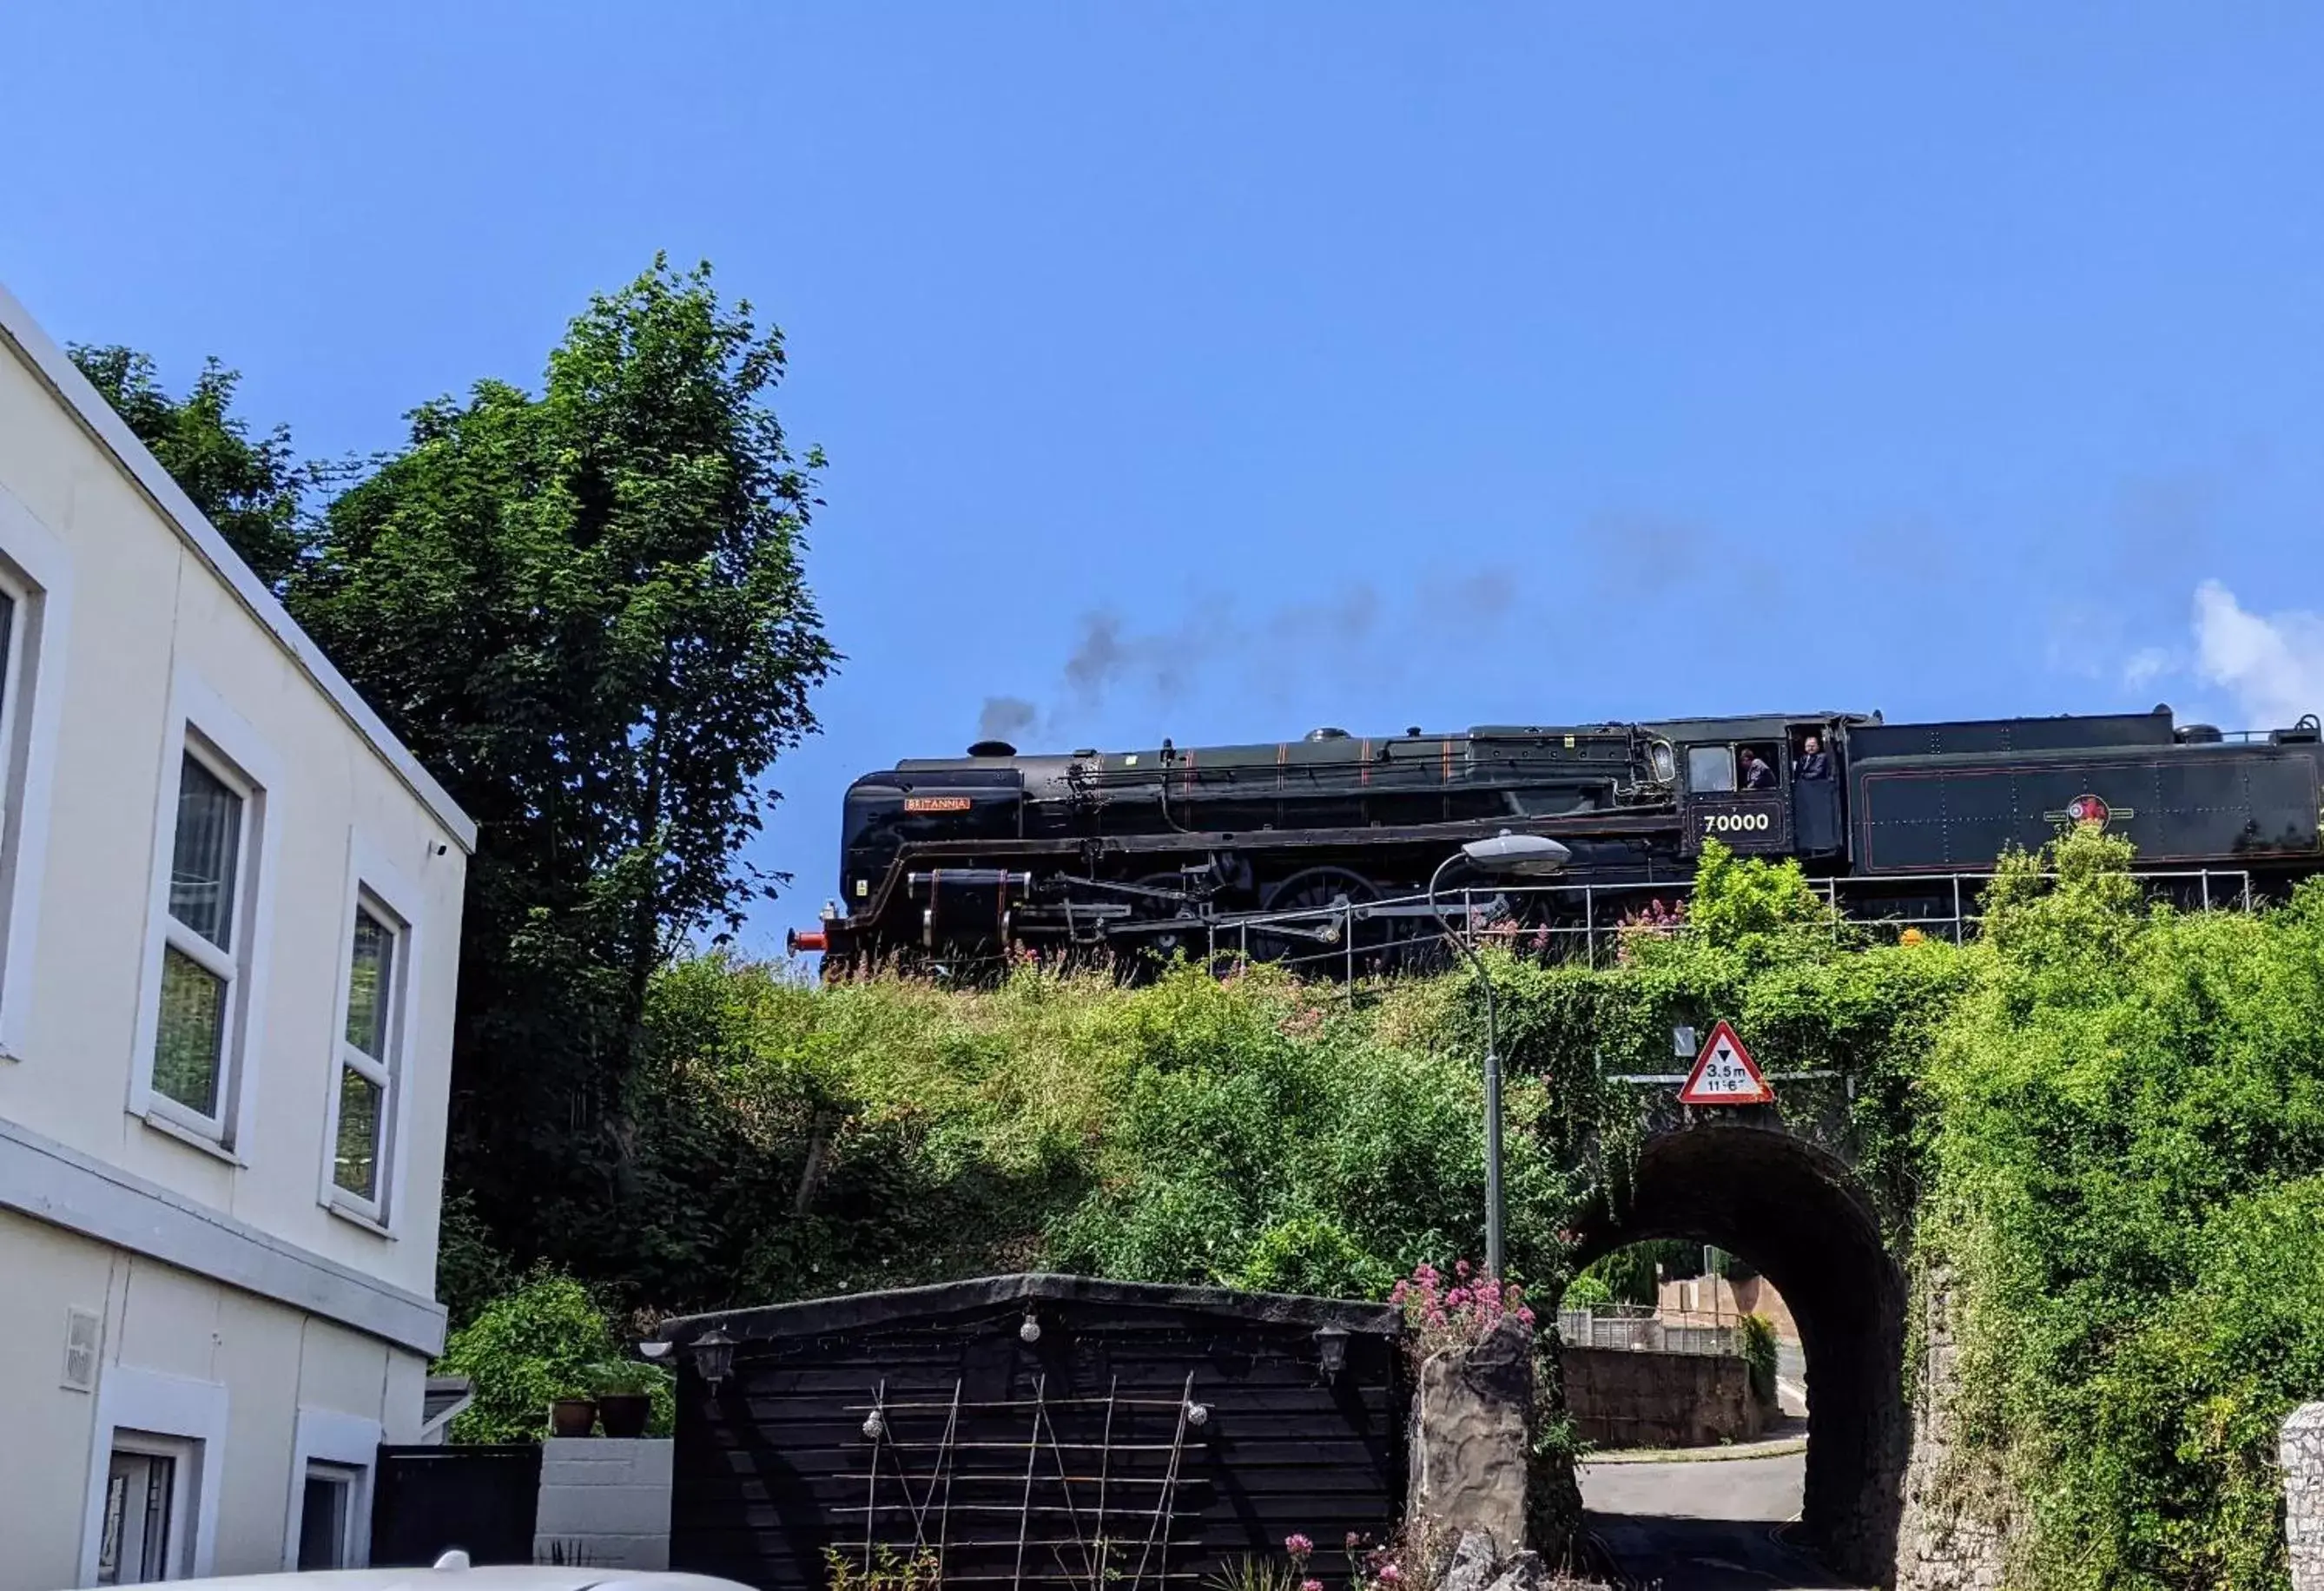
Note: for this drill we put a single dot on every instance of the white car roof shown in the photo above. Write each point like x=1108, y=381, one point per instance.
x=459, y=1577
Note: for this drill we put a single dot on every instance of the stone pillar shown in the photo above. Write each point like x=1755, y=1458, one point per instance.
x=1472, y=1416
x=1958, y=1514
x=2304, y=1495
x=604, y=1503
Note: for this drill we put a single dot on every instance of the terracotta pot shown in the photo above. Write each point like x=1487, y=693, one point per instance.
x=625, y=1413
x=572, y=1417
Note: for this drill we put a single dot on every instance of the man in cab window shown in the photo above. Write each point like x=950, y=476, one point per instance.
x=1757, y=774
x=1814, y=762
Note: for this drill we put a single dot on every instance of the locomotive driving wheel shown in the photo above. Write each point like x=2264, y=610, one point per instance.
x=1137, y=956
x=1174, y=883
x=1325, y=939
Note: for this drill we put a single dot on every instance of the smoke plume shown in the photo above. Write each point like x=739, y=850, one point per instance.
x=1350, y=632
x=1005, y=718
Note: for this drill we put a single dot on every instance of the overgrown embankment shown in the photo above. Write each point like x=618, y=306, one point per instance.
x=2108, y=1125
x=2126, y=1184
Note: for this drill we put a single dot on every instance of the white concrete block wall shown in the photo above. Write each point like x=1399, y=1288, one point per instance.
x=604, y=1503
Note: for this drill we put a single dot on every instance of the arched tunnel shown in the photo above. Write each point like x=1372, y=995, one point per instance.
x=1795, y=1212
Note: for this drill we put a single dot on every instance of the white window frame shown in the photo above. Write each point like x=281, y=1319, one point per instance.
x=203, y=727
x=343, y=1441
x=133, y=1408
x=376, y=885
x=35, y=570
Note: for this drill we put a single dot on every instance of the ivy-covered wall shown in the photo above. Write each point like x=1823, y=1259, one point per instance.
x=2107, y=1126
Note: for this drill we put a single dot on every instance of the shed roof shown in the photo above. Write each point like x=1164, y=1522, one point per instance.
x=856, y=1312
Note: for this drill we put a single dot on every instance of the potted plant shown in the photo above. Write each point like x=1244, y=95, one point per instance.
x=624, y=1393
x=572, y=1417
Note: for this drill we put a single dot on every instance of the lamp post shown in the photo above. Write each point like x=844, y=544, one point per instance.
x=1505, y=855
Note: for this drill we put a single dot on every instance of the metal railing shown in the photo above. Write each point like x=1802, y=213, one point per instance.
x=1648, y=1334
x=1587, y=921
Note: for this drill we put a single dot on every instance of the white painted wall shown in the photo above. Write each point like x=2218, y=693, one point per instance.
x=233, y=1290
x=263, y=1372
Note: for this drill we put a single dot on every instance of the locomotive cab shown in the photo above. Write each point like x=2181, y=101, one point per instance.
x=1746, y=784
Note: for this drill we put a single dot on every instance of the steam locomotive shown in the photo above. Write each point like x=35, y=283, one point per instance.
x=1316, y=848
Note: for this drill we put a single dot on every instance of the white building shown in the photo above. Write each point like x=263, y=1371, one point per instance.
x=229, y=913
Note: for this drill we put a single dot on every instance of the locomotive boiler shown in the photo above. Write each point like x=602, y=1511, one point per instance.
x=1322, y=844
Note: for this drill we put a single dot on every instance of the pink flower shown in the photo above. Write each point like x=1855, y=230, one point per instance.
x=1462, y=1268
x=1355, y=1540
x=1525, y=1315
x=1311, y=1586
x=1389, y=1574
x=1297, y=1545
x=1457, y=1297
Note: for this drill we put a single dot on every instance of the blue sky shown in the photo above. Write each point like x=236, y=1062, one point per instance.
x=1221, y=371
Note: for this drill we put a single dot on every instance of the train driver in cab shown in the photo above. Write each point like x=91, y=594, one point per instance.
x=1813, y=762
x=1757, y=774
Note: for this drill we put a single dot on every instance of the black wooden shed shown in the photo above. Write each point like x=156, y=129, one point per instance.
x=1035, y=1431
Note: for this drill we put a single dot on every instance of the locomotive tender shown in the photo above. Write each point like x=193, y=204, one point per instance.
x=1274, y=848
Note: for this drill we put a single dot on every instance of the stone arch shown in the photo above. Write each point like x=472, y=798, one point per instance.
x=1795, y=1212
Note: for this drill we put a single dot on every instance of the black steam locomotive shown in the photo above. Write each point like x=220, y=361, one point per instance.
x=1317, y=848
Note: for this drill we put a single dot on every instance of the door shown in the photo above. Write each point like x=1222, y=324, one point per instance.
x=1815, y=767
x=327, y=1509
x=1729, y=799
x=144, y=1527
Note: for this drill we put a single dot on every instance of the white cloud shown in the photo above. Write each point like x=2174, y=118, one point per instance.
x=2273, y=664
x=2149, y=664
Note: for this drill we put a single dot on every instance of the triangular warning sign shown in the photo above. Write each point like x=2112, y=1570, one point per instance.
x=1725, y=1074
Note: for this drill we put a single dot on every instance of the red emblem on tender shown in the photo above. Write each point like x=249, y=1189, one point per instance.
x=2088, y=811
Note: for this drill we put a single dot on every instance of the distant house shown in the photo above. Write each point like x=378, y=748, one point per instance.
x=1723, y=1301
x=229, y=913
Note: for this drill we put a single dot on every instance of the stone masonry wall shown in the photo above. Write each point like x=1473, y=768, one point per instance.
x=2304, y=1495
x=1624, y=1398
x=1955, y=1530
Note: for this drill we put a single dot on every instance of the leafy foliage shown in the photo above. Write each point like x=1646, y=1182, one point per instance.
x=252, y=488
x=1758, y=1339
x=1587, y=1291
x=522, y=1352
x=471, y=1271
x=1632, y=1273
x=585, y=609
x=2129, y=1199
x=2118, y=1150
x=889, y=1570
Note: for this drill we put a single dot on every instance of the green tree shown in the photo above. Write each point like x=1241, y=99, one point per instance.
x=252, y=488
x=525, y=1349
x=584, y=610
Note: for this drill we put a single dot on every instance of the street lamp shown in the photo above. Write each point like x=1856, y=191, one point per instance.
x=1505, y=855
